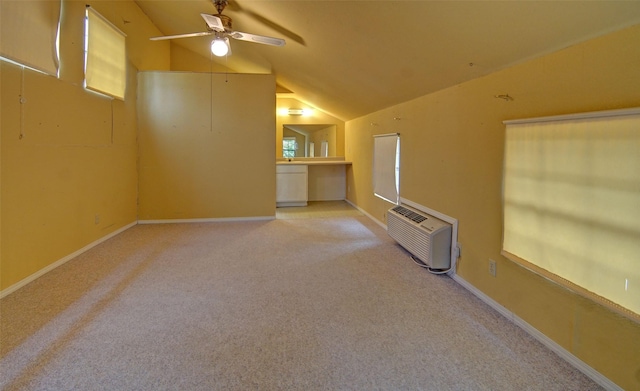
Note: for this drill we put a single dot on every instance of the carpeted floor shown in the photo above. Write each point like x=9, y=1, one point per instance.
x=320, y=303
x=318, y=209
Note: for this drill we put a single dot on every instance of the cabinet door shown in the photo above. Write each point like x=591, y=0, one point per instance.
x=291, y=184
x=291, y=187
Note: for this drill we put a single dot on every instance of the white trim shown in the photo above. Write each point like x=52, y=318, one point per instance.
x=380, y=223
x=386, y=135
x=566, y=117
x=535, y=333
x=285, y=204
x=69, y=257
x=455, y=253
x=16, y=63
x=61, y=261
x=206, y=220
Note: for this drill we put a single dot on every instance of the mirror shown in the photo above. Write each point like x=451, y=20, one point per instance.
x=308, y=140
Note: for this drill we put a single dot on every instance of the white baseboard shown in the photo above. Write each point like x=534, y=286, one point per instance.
x=61, y=261
x=548, y=342
x=535, y=333
x=380, y=223
x=45, y=270
x=206, y=220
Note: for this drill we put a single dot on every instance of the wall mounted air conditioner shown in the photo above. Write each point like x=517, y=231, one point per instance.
x=426, y=237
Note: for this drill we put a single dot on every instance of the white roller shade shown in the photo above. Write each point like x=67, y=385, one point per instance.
x=386, y=167
x=105, y=68
x=572, y=200
x=28, y=33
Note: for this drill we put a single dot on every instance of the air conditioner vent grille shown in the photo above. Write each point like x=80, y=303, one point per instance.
x=411, y=215
x=426, y=237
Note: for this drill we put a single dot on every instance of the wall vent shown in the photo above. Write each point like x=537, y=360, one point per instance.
x=426, y=237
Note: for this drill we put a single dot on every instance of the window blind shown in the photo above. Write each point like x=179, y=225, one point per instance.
x=572, y=201
x=105, y=65
x=386, y=166
x=28, y=33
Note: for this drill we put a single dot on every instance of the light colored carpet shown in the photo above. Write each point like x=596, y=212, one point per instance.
x=318, y=209
x=290, y=304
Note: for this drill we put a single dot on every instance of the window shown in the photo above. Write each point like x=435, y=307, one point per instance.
x=289, y=147
x=28, y=33
x=105, y=56
x=386, y=167
x=572, y=202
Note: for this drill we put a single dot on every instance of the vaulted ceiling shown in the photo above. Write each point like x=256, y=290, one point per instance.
x=350, y=58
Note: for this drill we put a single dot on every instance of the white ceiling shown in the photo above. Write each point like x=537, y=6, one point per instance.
x=350, y=58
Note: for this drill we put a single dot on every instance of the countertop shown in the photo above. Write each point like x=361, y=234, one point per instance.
x=312, y=162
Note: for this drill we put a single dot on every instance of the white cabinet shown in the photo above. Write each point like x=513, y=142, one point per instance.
x=291, y=184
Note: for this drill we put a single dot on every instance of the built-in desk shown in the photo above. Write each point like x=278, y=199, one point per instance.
x=325, y=180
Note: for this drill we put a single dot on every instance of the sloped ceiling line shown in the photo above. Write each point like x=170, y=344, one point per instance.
x=351, y=58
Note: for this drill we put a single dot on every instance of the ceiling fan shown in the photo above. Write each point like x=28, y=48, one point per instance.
x=221, y=26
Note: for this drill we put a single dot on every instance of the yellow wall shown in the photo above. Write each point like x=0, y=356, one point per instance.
x=69, y=155
x=206, y=145
x=183, y=59
x=318, y=117
x=452, y=149
x=77, y=159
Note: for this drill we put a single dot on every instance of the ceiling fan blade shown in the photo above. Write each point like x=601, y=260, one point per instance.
x=214, y=22
x=257, y=38
x=234, y=6
x=182, y=36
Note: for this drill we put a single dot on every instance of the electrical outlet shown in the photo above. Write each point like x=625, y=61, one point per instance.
x=96, y=219
x=492, y=267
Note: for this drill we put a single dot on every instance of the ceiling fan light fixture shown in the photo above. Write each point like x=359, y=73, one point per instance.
x=219, y=47
x=302, y=112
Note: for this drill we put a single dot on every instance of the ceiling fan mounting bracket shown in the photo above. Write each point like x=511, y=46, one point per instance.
x=220, y=5
x=227, y=22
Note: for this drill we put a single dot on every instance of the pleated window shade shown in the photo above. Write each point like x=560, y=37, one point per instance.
x=105, y=66
x=28, y=33
x=572, y=202
x=386, y=167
